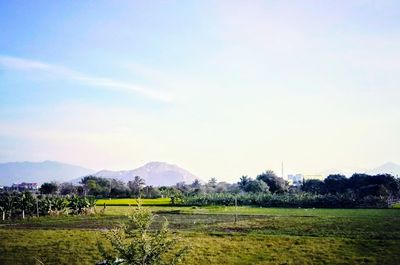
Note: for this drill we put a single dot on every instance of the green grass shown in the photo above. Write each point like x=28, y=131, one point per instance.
x=79, y=247
x=248, y=210
x=130, y=201
x=261, y=236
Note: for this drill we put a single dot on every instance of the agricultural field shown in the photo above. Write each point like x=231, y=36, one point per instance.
x=260, y=236
x=130, y=201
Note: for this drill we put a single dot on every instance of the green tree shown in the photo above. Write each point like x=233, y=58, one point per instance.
x=48, y=188
x=212, y=182
x=256, y=186
x=136, y=185
x=67, y=188
x=196, y=187
x=151, y=192
x=275, y=183
x=336, y=183
x=118, y=189
x=244, y=180
x=97, y=186
x=171, y=192
x=314, y=186
x=135, y=244
x=358, y=181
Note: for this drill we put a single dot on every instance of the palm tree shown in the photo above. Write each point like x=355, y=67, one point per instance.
x=244, y=180
x=136, y=185
x=212, y=182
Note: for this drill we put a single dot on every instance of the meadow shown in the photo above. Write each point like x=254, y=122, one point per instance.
x=260, y=236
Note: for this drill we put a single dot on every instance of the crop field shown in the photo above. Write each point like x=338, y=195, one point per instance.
x=261, y=236
x=129, y=201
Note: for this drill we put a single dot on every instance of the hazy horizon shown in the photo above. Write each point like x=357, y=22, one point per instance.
x=221, y=88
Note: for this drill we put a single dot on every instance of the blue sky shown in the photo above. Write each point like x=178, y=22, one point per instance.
x=222, y=88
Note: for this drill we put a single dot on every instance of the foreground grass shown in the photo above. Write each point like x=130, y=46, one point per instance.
x=261, y=236
x=79, y=247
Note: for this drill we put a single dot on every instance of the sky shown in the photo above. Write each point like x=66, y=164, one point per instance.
x=221, y=88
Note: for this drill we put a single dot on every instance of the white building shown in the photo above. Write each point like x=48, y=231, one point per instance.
x=295, y=179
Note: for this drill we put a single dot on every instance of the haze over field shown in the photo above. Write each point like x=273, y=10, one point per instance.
x=222, y=88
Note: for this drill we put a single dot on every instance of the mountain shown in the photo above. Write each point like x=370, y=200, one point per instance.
x=154, y=173
x=389, y=168
x=39, y=172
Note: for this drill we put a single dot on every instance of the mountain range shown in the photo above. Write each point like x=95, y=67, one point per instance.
x=389, y=168
x=154, y=173
x=386, y=168
x=39, y=172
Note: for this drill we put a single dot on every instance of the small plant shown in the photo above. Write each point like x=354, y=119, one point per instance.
x=135, y=244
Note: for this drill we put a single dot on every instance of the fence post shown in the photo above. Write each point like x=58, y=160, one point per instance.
x=236, y=215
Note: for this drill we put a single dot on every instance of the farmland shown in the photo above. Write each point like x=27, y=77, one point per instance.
x=261, y=235
x=128, y=202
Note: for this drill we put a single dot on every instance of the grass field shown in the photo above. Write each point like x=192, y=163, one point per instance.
x=129, y=201
x=261, y=236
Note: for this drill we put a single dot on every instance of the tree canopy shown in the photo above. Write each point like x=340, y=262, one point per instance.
x=276, y=184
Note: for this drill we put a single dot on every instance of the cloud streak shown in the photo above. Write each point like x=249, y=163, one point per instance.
x=21, y=64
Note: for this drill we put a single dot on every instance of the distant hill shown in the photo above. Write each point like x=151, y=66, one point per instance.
x=389, y=168
x=39, y=172
x=154, y=173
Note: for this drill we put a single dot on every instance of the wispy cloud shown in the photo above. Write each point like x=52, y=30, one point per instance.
x=21, y=64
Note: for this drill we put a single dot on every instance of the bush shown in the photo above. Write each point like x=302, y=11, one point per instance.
x=135, y=244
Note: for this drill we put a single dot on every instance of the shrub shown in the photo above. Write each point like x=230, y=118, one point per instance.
x=135, y=244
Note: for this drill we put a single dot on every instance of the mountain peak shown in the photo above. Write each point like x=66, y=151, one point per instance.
x=390, y=164
x=387, y=168
x=154, y=173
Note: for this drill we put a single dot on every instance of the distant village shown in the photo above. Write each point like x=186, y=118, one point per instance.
x=24, y=186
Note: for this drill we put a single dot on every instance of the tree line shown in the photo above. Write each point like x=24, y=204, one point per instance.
x=357, y=191
x=269, y=190
x=360, y=185
x=100, y=187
